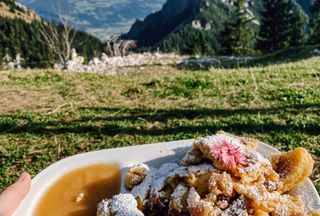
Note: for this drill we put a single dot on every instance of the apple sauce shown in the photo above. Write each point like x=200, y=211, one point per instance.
x=78, y=192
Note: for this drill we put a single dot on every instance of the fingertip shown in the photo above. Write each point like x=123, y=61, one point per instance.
x=11, y=197
x=24, y=177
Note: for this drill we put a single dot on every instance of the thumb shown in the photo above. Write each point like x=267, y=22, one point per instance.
x=11, y=197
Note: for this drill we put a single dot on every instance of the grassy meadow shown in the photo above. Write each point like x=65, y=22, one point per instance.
x=46, y=116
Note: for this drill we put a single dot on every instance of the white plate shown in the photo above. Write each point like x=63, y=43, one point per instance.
x=152, y=154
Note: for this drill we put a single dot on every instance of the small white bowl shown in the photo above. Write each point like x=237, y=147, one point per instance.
x=152, y=154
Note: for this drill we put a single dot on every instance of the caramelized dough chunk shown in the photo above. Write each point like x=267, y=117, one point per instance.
x=293, y=167
x=179, y=197
x=199, y=207
x=269, y=202
x=193, y=176
x=221, y=184
x=136, y=175
x=287, y=205
x=313, y=213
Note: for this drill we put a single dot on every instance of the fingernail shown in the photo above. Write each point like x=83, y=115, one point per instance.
x=22, y=177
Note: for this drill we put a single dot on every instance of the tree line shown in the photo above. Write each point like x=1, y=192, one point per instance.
x=282, y=24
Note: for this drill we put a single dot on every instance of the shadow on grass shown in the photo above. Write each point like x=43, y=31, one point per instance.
x=114, y=121
x=165, y=115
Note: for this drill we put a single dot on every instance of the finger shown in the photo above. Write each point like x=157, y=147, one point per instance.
x=11, y=197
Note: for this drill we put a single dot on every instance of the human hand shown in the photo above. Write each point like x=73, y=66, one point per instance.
x=11, y=197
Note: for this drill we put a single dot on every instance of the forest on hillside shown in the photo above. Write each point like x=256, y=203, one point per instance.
x=282, y=24
x=26, y=40
x=18, y=37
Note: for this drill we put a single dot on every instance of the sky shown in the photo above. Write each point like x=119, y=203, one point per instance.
x=100, y=18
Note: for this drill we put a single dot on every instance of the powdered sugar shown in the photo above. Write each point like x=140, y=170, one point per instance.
x=119, y=205
x=238, y=208
x=180, y=191
x=142, y=190
x=161, y=177
x=185, y=171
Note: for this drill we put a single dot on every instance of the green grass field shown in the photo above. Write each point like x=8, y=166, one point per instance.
x=46, y=116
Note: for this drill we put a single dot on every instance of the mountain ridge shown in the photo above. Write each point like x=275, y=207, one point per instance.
x=202, y=18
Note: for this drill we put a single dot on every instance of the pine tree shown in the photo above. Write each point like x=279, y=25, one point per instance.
x=298, y=26
x=275, y=25
x=315, y=8
x=238, y=37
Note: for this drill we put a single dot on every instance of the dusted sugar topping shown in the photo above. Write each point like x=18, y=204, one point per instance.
x=193, y=197
x=161, y=177
x=218, y=138
x=119, y=205
x=254, y=161
x=103, y=208
x=238, y=208
x=143, y=166
x=180, y=191
x=142, y=190
x=185, y=171
x=178, y=194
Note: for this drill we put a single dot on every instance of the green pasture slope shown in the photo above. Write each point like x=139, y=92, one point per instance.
x=46, y=116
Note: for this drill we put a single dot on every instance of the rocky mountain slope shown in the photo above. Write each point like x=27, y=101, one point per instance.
x=13, y=10
x=190, y=19
x=98, y=17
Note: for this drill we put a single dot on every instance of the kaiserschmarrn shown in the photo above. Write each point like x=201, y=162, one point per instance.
x=221, y=175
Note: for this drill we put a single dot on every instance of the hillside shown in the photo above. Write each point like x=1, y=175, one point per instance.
x=46, y=116
x=20, y=37
x=13, y=10
x=182, y=23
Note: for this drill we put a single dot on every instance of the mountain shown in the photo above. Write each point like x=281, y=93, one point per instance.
x=97, y=17
x=191, y=22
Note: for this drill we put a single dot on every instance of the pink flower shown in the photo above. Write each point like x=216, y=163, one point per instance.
x=228, y=153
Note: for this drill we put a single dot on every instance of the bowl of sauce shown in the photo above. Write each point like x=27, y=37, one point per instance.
x=79, y=191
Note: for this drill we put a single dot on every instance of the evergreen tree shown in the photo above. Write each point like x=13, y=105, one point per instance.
x=315, y=8
x=195, y=41
x=275, y=25
x=298, y=26
x=238, y=37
